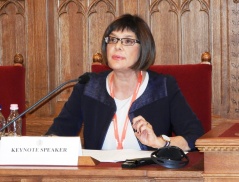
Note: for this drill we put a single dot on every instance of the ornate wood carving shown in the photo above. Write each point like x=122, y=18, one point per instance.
x=158, y=10
x=12, y=30
x=19, y=8
x=58, y=38
x=236, y=1
x=218, y=148
x=63, y=7
x=204, y=6
x=176, y=31
x=154, y=7
x=234, y=58
x=93, y=7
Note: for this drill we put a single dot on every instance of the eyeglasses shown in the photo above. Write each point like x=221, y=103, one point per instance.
x=124, y=41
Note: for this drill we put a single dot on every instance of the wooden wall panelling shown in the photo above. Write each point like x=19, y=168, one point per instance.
x=165, y=29
x=130, y=6
x=37, y=60
x=195, y=40
x=140, y=7
x=176, y=41
x=51, y=52
x=233, y=61
x=217, y=42
x=143, y=8
x=99, y=15
x=58, y=38
x=70, y=52
x=225, y=38
x=12, y=31
x=80, y=29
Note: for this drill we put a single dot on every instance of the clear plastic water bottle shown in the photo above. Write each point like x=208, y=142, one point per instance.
x=2, y=122
x=14, y=129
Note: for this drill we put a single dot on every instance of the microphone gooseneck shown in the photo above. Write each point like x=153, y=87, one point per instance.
x=83, y=79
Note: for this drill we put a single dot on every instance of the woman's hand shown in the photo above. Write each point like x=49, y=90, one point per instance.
x=144, y=132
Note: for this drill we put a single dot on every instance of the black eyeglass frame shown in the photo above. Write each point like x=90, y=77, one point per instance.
x=121, y=40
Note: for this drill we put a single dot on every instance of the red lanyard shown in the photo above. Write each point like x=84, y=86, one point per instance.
x=116, y=132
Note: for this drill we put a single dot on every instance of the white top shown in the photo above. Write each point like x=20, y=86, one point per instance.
x=130, y=141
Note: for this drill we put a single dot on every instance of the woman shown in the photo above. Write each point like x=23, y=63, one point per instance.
x=129, y=107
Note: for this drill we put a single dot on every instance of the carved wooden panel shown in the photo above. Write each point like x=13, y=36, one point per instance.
x=233, y=61
x=225, y=59
x=79, y=30
x=71, y=38
x=165, y=28
x=171, y=23
x=12, y=30
x=37, y=61
x=195, y=40
x=58, y=38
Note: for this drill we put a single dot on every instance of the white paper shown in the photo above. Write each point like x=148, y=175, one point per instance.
x=116, y=155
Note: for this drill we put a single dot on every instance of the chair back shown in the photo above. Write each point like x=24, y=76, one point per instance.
x=12, y=91
x=194, y=81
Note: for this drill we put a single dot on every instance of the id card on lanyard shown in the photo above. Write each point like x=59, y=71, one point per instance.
x=115, y=122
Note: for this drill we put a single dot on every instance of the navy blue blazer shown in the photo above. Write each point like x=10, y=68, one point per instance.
x=162, y=105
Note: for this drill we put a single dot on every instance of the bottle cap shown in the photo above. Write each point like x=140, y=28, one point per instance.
x=14, y=107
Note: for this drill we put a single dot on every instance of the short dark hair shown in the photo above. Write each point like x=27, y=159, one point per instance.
x=143, y=33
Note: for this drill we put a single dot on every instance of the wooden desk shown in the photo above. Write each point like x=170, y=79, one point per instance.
x=106, y=172
x=221, y=153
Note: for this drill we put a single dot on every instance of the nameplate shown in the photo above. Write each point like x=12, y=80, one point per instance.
x=24, y=150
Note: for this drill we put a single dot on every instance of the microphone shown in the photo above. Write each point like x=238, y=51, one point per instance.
x=83, y=79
